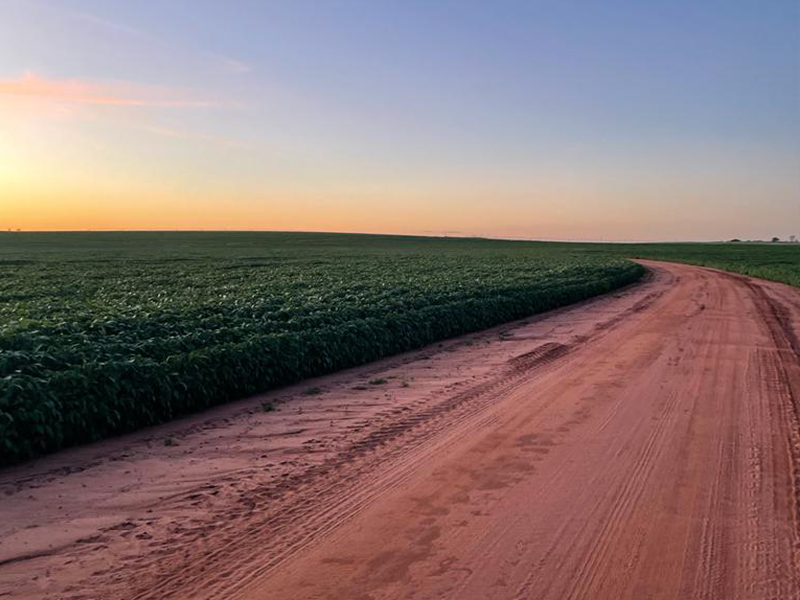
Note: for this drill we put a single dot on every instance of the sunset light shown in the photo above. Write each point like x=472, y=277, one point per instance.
x=400, y=300
x=541, y=121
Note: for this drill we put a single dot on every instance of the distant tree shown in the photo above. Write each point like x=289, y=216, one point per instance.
x=776, y=239
x=736, y=240
x=793, y=238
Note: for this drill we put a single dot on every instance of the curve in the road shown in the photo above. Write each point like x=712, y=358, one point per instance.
x=642, y=445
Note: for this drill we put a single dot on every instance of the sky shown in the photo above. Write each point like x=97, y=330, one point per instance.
x=575, y=120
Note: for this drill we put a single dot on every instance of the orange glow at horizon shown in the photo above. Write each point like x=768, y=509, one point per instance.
x=79, y=208
x=396, y=118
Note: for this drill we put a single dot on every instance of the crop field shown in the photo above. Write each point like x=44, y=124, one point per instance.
x=108, y=332
x=103, y=333
x=774, y=261
x=778, y=262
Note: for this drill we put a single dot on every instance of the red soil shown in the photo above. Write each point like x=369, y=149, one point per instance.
x=641, y=445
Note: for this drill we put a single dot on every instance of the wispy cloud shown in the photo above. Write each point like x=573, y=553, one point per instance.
x=181, y=134
x=89, y=92
x=232, y=65
x=222, y=61
x=109, y=25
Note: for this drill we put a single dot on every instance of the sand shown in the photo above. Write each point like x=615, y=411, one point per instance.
x=644, y=444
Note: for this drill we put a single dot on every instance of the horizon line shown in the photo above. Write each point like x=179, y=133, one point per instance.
x=431, y=235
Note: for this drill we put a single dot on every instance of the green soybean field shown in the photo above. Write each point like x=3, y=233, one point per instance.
x=775, y=261
x=104, y=333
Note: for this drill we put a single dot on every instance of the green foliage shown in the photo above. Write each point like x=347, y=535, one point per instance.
x=106, y=333
x=778, y=262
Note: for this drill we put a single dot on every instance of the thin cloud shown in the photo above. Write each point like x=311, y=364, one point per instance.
x=227, y=63
x=191, y=136
x=87, y=92
x=233, y=65
x=110, y=25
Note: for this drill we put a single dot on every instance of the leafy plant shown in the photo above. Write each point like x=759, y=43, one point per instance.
x=105, y=333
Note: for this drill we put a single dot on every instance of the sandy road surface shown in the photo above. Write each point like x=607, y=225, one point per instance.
x=641, y=445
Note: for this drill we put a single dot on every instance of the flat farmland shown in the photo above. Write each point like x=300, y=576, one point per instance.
x=105, y=333
x=450, y=419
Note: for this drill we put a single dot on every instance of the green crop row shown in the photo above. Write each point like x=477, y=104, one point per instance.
x=97, y=340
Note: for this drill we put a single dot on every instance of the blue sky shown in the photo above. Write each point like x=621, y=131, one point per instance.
x=560, y=120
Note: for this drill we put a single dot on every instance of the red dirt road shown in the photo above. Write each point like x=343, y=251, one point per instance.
x=641, y=445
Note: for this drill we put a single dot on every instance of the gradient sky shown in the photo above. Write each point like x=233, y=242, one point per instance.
x=636, y=120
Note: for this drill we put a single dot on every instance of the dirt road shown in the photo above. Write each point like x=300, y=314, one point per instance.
x=641, y=445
